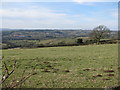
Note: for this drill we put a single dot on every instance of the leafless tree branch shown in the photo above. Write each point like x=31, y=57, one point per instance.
x=5, y=77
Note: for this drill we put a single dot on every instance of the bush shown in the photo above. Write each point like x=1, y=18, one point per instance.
x=89, y=41
x=4, y=46
x=61, y=43
x=79, y=41
x=108, y=41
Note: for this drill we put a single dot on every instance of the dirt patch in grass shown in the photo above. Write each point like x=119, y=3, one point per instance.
x=109, y=71
x=106, y=79
x=98, y=75
x=110, y=75
x=66, y=71
x=46, y=62
x=49, y=66
x=86, y=69
x=89, y=69
x=119, y=68
x=46, y=70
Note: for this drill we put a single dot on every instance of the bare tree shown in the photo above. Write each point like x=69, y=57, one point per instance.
x=99, y=33
x=15, y=83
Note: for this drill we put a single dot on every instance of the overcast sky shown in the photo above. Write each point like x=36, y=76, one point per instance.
x=74, y=14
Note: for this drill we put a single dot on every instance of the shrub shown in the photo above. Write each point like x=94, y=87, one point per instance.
x=89, y=41
x=79, y=41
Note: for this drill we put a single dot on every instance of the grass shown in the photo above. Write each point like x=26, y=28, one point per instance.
x=67, y=67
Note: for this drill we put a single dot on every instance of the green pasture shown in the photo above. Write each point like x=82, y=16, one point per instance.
x=89, y=66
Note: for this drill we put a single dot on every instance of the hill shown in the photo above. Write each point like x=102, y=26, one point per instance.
x=43, y=34
x=46, y=37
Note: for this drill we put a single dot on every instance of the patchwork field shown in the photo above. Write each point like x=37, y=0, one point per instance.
x=90, y=66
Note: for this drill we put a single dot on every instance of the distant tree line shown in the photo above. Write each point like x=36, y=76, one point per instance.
x=99, y=35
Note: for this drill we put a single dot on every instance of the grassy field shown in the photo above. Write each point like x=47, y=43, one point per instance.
x=66, y=67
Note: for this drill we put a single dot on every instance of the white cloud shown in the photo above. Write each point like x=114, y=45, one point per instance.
x=79, y=1
x=30, y=13
x=92, y=2
x=43, y=17
x=46, y=18
x=115, y=14
x=84, y=1
x=89, y=22
x=36, y=0
x=34, y=18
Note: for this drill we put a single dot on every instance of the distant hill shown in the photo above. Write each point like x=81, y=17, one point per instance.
x=5, y=29
x=43, y=34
